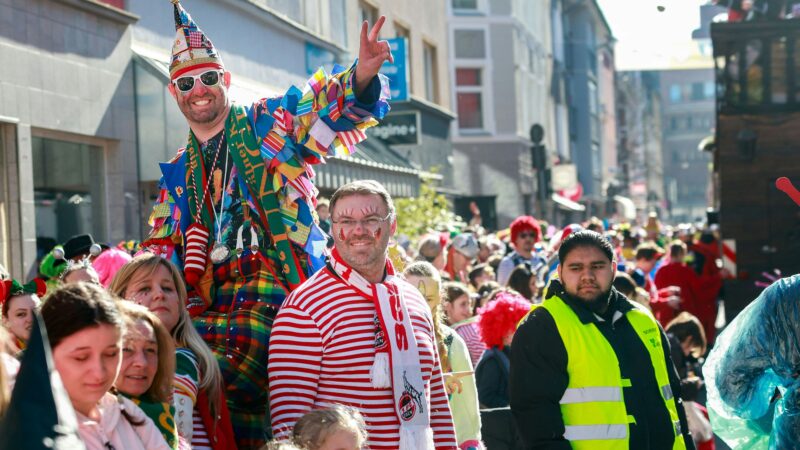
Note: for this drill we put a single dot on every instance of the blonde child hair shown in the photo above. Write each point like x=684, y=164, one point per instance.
x=311, y=431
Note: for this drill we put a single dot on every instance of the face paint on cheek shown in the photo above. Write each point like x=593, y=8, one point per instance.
x=378, y=233
x=341, y=235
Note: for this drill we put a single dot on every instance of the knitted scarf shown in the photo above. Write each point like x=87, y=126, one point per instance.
x=403, y=373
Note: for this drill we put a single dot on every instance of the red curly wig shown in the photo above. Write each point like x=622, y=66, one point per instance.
x=500, y=317
x=523, y=223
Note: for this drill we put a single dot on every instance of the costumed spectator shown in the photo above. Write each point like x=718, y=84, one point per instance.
x=201, y=414
x=457, y=305
x=455, y=358
x=675, y=274
x=85, y=330
x=645, y=259
x=687, y=342
x=335, y=428
x=525, y=282
x=80, y=271
x=108, y=263
x=432, y=249
x=242, y=246
x=382, y=360
x=751, y=372
x=498, y=320
x=705, y=255
x=480, y=274
x=589, y=365
x=18, y=304
x=462, y=250
x=525, y=233
x=80, y=247
x=148, y=368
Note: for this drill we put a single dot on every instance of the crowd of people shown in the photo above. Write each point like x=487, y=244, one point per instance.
x=464, y=294
x=255, y=315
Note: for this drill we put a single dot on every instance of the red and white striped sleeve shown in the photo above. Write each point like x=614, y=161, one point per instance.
x=295, y=356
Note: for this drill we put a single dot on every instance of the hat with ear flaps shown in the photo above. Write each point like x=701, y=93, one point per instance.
x=191, y=49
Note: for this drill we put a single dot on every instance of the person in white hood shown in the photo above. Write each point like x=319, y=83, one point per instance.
x=85, y=328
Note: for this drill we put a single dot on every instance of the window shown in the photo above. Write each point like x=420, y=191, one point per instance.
x=403, y=32
x=675, y=93
x=431, y=73
x=470, y=44
x=368, y=12
x=469, y=98
x=698, y=91
x=709, y=89
x=68, y=189
x=465, y=6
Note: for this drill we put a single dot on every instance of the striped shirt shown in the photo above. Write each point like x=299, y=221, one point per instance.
x=469, y=332
x=321, y=351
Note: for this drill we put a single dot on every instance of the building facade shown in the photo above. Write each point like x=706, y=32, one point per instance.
x=85, y=115
x=418, y=126
x=67, y=127
x=589, y=54
x=500, y=58
x=639, y=156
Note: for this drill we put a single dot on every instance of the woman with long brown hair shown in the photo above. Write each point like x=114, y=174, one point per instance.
x=202, y=417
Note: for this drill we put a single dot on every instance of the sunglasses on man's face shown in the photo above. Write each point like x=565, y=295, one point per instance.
x=186, y=84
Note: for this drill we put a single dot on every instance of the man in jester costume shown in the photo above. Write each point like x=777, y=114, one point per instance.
x=235, y=211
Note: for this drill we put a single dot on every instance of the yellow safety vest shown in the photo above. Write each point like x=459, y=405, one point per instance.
x=593, y=407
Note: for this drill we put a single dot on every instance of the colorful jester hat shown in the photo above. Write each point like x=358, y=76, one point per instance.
x=191, y=48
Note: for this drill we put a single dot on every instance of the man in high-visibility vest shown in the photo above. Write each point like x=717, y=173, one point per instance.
x=591, y=369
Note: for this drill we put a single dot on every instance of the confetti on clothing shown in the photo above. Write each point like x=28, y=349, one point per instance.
x=236, y=319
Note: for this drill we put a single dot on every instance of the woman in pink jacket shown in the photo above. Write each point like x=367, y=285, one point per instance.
x=85, y=329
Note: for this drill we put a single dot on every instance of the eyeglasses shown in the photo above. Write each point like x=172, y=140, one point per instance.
x=527, y=235
x=370, y=224
x=186, y=84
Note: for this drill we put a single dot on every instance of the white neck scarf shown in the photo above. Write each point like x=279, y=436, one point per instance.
x=395, y=338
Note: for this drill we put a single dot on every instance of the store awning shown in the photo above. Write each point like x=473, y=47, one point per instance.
x=628, y=207
x=566, y=203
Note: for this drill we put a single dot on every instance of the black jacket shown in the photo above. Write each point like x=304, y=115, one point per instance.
x=539, y=377
x=491, y=378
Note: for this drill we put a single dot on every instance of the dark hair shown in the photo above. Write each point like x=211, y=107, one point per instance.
x=648, y=251
x=688, y=326
x=585, y=238
x=476, y=271
x=625, y=285
x=74, y=307
x=520, y=281
x=484, y=292
x=677, y=248
x=453, y=290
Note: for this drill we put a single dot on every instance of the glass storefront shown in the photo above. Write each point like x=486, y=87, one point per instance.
x=69, y=188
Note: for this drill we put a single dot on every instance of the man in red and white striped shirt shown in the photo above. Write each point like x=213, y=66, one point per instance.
x=329, y=334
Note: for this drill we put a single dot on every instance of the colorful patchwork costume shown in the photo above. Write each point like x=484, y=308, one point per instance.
x=257, y=236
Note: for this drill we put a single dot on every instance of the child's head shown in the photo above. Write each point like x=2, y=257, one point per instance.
x=338, y=427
